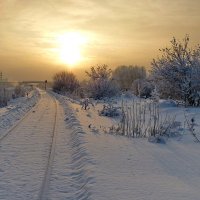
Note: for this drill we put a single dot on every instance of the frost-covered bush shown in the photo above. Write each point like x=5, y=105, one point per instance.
x=19, y=91
x=142, y=88
x=191, y=127
x=155, y=96
x=3, y=101
x=110, y=111
x=3, y=98
x=100, y=84
x=85, y=103
x=102, y=88
x=176, y=73
x=9, y=92
x=65, y=82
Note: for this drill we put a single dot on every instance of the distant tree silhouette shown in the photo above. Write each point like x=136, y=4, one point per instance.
x=126, y=75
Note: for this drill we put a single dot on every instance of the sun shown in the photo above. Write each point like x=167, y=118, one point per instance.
x=70, y=47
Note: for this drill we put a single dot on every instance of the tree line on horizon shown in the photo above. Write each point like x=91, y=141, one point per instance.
x=175, y=74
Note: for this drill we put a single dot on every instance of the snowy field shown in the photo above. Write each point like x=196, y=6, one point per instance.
x=88, y=163
x=133, y=168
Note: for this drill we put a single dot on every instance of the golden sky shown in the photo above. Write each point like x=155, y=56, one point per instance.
x=34, y=34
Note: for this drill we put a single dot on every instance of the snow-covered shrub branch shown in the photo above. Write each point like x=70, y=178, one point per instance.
x=142, y=87
x=191, y=127
x=85, y=103
x=110, y=111
x=177, y=72
x=101, y=84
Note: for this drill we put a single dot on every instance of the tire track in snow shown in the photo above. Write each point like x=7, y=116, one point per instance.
x=80, y=163
x=45, y=184
x=24, y=152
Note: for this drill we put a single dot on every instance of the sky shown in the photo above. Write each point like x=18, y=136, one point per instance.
x=41, y=37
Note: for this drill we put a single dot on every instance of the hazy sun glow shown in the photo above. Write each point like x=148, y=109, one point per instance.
x=70, y=47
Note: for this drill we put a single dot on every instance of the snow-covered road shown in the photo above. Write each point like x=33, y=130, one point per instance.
x=25, y=152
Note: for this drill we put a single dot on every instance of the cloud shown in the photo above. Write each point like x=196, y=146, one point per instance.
x=120, y=29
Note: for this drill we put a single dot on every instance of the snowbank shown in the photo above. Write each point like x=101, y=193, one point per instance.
x=81, y=164
x=16, y=109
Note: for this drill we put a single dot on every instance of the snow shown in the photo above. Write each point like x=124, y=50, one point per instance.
x=128, y=168
x=24, y=153
x=72, y=176
x=89, y=164
x=16, y=109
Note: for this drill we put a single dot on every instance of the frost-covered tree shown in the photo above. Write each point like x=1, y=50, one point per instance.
x=65, y=82
x=99, y=72
x=100, y=83
x=155, y=95
x=126, y=75
x=142, y=87
x=177, y=72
